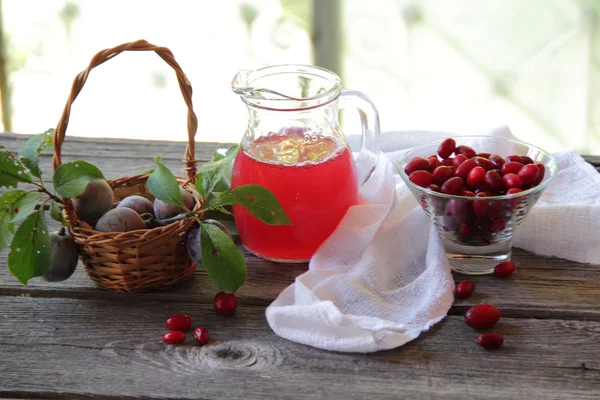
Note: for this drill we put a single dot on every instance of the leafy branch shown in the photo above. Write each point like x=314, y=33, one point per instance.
x=221, y=257
x=31, y=246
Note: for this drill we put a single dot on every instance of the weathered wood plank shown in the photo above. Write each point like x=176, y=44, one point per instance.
x=541, y=288
x=111, y=348
x=116, y=158
x=118, y=148
x=594, y=160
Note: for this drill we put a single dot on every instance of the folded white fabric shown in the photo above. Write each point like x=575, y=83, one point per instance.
x=382, y=277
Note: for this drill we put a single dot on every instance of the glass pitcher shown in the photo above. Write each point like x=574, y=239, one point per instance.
x=294, y=146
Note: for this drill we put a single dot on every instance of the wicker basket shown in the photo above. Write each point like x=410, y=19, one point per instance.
x=143, y=260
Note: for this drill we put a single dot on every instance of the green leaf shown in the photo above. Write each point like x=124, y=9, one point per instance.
x=71, y=179
x=4, y=230
x=12, y=171
x=200, y=185
x=30, y=253
x=217, y=173
x=30, y=152
x=222, y=259
x=231, y=227
x=25, y=205
x=210, y=179
x=163, y=185
x=56, y=213
x=9, y=200
x=223, y=210
x=257, y=200
x=221, y=186
x=224, y=162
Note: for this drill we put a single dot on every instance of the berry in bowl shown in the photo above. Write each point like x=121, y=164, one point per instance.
x=476, y=191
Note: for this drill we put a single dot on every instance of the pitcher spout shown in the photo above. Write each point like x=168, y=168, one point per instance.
x=239, y=84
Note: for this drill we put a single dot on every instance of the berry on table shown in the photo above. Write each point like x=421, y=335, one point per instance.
x=201, y=335
x=464, y=289
x=174, y=337
x=178, y=322
x=225, y=303
x=490, y=340
x=504, y=269
x=482, y=316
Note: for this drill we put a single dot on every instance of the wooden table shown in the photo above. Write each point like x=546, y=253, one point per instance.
x=74, y=340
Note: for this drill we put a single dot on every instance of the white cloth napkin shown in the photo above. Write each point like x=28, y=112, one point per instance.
x=382, y=277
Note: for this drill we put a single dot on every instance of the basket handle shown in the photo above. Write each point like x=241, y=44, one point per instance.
x=105, y=55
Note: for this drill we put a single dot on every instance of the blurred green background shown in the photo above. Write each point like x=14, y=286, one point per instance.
x=462, y=66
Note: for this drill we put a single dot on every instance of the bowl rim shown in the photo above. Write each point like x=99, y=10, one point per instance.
x=553, y=170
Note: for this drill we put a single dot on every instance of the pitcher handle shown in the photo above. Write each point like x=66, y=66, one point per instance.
x=366, y=161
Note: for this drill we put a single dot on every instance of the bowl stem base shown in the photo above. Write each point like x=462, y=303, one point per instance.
x=477, y=260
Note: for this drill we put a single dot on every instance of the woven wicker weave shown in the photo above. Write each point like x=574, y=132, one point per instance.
x=140, y=260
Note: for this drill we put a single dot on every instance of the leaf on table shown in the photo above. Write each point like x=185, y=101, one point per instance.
x=222, y=259
x=25, y=205
x=71, y=179
x=30, y=250
x=12, y=171
x=30, y=151
x=257, y=200
x=163, y=185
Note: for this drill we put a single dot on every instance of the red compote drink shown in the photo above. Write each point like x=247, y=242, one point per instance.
x=314, y=179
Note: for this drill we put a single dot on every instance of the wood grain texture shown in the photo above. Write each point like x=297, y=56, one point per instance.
x=73, y=340
x=116, y=158
x=541, y=287
x=83, y=146
x=113, y=348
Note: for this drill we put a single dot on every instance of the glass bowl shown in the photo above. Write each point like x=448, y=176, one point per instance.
x=477, y=232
